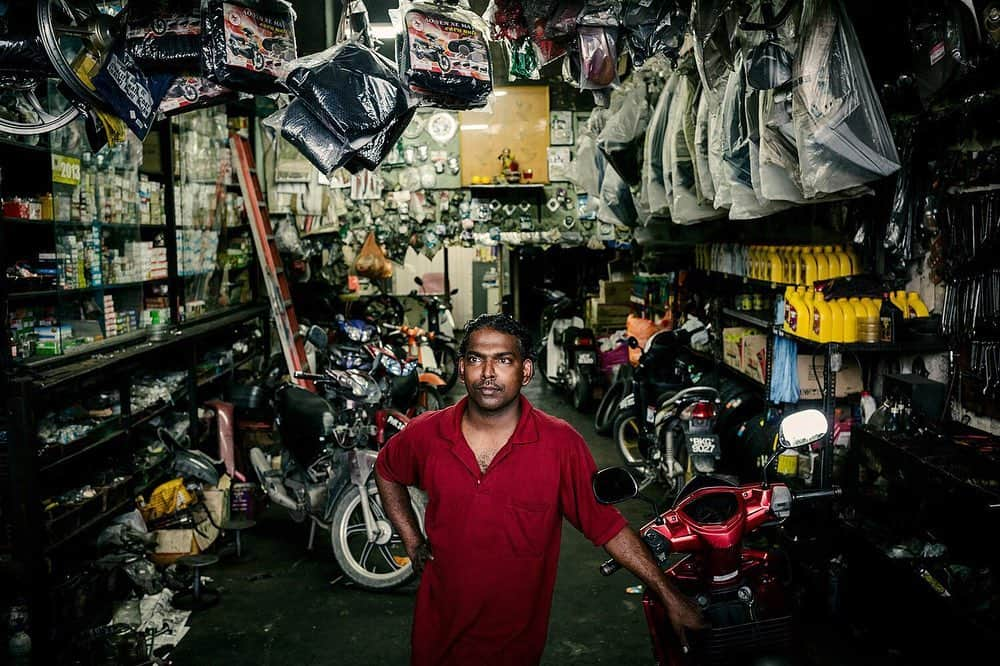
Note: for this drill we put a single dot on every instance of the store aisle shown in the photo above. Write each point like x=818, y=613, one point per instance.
x=289, y=606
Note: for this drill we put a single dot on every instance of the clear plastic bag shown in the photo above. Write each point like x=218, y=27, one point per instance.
x=778, y=155
x=303, y=130
x=562, y=20
x=247, y=44
x=622, y=136
x=652, y=27
x=187, y=93
x=598, y=57
x=843, y=137
x=617, y=206
x=652, y=167
x=716, y=147
x=706, y=187
x=678, y=159
x=443, y=55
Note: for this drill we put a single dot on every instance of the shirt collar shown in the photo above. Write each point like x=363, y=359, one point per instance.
x=525, y=432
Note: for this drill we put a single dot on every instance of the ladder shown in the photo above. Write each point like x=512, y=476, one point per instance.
x=275, y=282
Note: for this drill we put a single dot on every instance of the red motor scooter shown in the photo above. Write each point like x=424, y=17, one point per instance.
x=742, y=591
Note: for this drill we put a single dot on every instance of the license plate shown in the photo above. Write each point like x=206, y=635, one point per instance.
x=704, y=444
x=586, y=358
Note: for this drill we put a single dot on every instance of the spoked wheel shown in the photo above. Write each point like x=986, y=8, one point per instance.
x=628, y=438
x=28, y=106
x=78, y=36
x=379, y=564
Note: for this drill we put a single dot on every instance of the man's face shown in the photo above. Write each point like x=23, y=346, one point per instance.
x=493, y=369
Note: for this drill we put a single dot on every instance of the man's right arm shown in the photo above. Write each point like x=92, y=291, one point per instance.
x=396, y=501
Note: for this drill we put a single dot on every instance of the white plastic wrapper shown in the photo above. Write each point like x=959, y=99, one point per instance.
x=706, y=188
x=842, y=134
x=617, y=205
x=778, y=159
x=716, y=145
x=652, y=166
x=679, y=162
x=622, y=136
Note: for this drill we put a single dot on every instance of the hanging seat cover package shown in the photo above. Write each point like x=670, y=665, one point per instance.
x=133, y=95
x=444, y=56
x=622, y=136
x=678, y=158
x=165, y=36
x=355, y=91
x=842, y=134
x=187, y=93
x=247, y=45
x=303, y=130
x=706, y=188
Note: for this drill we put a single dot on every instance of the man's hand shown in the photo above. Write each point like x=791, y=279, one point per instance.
x=684, y=615
x=419, y=555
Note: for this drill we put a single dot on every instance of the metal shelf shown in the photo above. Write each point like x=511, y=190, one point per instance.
x=77, y=450
x=731, y=279
x=758, y=318
x=909, y=346
x=19, y=295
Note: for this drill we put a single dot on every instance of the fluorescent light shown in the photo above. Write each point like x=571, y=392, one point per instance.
x=384, y=31
x=475, y=128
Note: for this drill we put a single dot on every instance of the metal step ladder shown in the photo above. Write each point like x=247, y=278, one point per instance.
x=275, y=282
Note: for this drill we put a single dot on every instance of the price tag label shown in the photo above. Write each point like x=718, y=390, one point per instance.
x=65, y=169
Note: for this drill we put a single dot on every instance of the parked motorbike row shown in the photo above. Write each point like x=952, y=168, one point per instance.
x=568, y=355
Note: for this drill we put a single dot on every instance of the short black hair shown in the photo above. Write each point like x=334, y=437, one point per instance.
x=503, y=323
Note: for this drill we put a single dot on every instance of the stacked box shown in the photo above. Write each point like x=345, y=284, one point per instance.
x=732, y=345
x=615, y=293
x=110, y=317
x=50, y=339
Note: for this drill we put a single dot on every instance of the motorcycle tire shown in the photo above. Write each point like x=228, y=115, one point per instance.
x=541, y=361
x=375, y=567
x=427, y=400
x=606, y=412
x=446, y=358
x=626, y=431
x=583, y=393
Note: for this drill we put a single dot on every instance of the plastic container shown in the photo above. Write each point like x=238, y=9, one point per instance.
x=850, y=320
x=915, y=306
x=822, y=328
x=868, y=406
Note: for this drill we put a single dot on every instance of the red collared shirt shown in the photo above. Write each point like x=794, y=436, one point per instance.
x=485, y=597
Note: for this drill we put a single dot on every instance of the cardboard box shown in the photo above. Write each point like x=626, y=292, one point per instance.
x=848, y=380
x=615, y=292
x=604, y=315
x=732, y=345
x=755, y=356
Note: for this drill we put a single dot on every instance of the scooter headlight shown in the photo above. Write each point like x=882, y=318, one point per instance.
x=392, y=366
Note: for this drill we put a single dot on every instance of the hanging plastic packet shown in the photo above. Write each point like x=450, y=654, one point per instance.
x=523, y=60
x=247, y=44
x=652, y=27
x=680, y=147
x=622, y=138
x=842, y=134
x=355, y=25
x=778, y=158
x=598, y=57
x=165, y=36
x=133, y=95
x=314, y=141
x=443, y=55
x=546, y=49
x=187, y=93
x=617, y=206
x=561, y=23
x=706, y=186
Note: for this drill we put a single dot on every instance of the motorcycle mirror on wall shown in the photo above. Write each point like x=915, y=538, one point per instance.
x=317, y=337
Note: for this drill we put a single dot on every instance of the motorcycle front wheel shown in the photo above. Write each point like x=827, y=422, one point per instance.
x=583, y=392
x=447, y=362
x=375, y=566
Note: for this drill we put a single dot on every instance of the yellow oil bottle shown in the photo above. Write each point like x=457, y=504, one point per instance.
x=844, y=260
x=832, y=261
x=807, y=267
x=822, y=319
x=915, y=306
x=898, y=298
x=796, y=312
x=822, y=265
x=836, y=320
x=855, y=262
x=775, y=273
x=850, y=329
x=806, y=324
x=872, y=319
x=860, y=316
x=791, y=265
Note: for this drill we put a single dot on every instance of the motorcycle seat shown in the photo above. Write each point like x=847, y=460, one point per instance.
x=571, y=333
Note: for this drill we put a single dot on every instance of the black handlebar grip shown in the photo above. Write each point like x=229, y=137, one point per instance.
x=309, y=376
x=610, y=567
x=817, y=494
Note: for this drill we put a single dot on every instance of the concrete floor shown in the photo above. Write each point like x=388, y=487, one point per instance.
x=291, y=606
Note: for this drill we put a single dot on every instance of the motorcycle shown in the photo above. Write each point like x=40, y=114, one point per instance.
x=325, y=473
x=568, y=355
x=439, y=321
x=658, y=376
x=743, y=591
x=686, y=436
x=414, y=344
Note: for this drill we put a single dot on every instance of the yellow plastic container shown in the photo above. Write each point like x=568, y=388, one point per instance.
x=850, y=331
x=916, y=307
x=822, y=328
x=822, y=264
x=836, y=320
x=898, y=298
x=805, y=329
x=807, y=267
x=796, y=312
x=776, y=272
x=845, y=262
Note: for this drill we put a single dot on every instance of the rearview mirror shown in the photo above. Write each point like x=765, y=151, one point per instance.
x=317, y=337
x=454, y=291
x=802, y=428
x=419, y=280
x=633, y=343
x=613, y=485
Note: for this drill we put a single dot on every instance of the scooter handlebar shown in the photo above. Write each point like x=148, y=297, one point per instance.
x=308, y=376
x=610, y=567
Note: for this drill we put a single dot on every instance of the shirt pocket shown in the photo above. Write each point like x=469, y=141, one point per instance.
x=529, y=528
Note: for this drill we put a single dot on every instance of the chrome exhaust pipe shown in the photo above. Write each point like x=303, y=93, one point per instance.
x=271, y=480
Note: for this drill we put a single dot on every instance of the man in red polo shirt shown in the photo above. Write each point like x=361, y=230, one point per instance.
x=500, y=476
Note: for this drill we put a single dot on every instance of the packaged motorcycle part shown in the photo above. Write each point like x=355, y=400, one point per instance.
x=523, y=60
x=940, y=41
x=706, y=187
x=561, y=23
x=650, y=28
x=371, y=261
x=444, y=56
x=843, y=136
x=506, y=20
x=354, y=91
x=355, y=25
x=679, y=147
x=133, y=95
x=652, y=164
x=547, y=50
x=598, y=57
x=247, y=44
x=617, y=205
x=187, y=93
x=165, y=36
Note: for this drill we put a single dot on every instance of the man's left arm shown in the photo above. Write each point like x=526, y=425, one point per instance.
x=630, y=552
